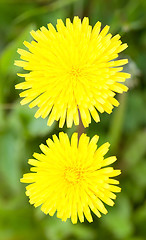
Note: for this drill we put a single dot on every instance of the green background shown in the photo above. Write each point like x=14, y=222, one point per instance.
x=125, y=128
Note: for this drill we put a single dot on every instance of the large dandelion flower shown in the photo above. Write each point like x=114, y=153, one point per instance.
x=72, y=178
x=71, y=70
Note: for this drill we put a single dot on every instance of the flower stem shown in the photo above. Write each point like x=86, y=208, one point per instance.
x=81, y=128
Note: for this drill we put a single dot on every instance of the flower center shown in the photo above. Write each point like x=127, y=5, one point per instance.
x=73, y=175
x=75, y=72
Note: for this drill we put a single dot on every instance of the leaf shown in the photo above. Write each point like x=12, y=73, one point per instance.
x=135, y=115
x=55, y=5
x=38, y=127
x=59, y=230
x=139, y=173
x=10, y=52
x=33, y=127
x=10, y=151
x=118, y=219
x=135, y=150
x=116, y=124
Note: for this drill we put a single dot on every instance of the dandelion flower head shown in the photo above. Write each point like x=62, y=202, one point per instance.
x=71, y=69
x=72, y=178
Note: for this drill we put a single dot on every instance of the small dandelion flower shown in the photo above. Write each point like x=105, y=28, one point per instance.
x=71, y=70
x=72, y=178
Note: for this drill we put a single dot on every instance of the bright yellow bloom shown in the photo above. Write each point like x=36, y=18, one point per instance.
x=72, y=69
x=72, y=178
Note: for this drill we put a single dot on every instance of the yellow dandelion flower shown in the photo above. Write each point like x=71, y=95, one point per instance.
x=72, y=178
x=71, y=69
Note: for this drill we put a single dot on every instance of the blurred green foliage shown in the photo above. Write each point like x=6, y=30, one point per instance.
x=125, y=128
